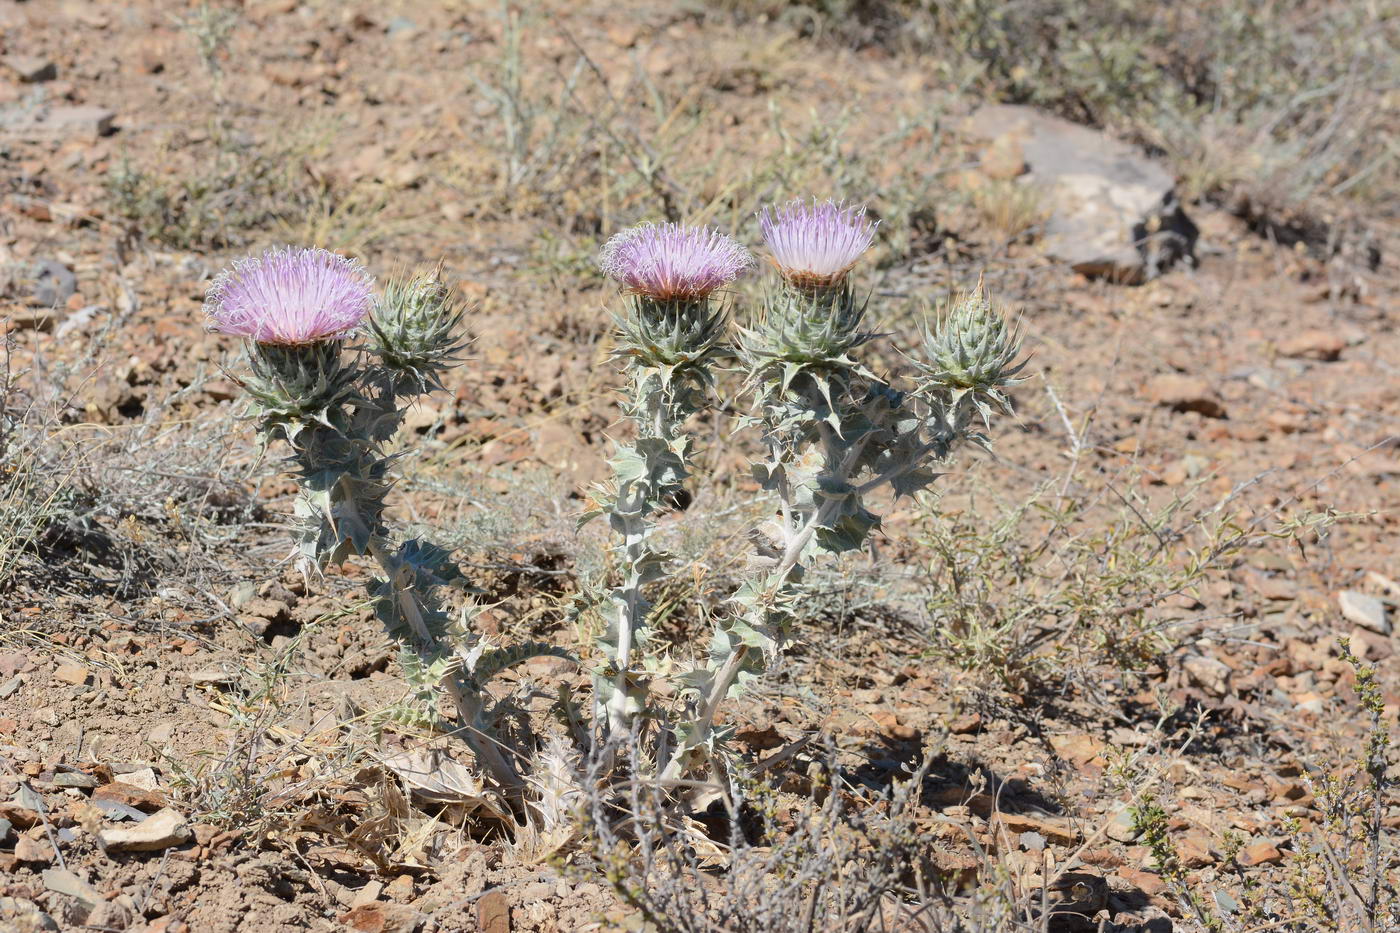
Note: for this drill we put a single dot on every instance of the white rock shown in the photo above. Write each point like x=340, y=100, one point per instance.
x=1365, y=611
x=160, y=830
x=1114, y=212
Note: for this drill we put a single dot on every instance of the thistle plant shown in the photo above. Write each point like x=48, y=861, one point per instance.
x=836, y=434
x=669, y=335
x=337, y=407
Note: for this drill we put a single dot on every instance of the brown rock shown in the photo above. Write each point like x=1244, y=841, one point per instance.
x=74, y=674
x=1261, y=853
x=29, y=69
x=1017, y=823
x=33, y=850
x=131, y=795
x=1147, y=882
x=380, y=917
x=1004, y=158
x=1194, y=851
x=966, y=725
x=493, y=913
x=1184, y=393
x=1313, y=345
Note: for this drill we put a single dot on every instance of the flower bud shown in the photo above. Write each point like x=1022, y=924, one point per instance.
x=413, y=331
x=973, y=349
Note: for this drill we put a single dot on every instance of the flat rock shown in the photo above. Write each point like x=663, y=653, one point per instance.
x=1180, y=392
x=1322, y=345
x=1365, y=611
x=58, y=123
x=380, y=917
x=33, y=850
x=29, y=68
x=74, y=674
x=1114, y=212
x=158, y=831
x=129, y=795
x=1055, y=832
x=63, y=881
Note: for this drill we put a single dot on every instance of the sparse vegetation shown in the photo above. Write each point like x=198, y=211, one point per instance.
x=1132, y=672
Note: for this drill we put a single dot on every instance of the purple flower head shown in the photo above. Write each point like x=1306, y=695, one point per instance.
x=814, y=245
x=290, y=297
x=671, y=262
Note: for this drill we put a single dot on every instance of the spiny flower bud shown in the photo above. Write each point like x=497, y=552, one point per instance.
x=972, y=348
x=290, y=297
x=803, y=328
x=815, y=245
x=413, y=330
x=672, y=262
x=670, y=334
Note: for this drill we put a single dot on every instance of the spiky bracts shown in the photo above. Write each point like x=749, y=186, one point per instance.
x=290, y=297
x=814, y=245
x=673, y=262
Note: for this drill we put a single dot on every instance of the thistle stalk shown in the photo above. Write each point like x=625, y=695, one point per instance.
x=337, y=409
x=836, y=433
x=668, y=337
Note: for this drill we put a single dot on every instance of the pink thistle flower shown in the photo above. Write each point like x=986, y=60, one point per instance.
x=290, y=297
x=815, y=245
x=671, y=262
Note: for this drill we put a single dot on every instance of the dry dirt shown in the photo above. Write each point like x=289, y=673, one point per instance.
x=171, y=637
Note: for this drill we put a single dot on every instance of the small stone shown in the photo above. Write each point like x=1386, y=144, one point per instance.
x=63, y=881
x=965, y=725
x=1004, y=158
x=8, y=688
x=74, y=674
x=1365, y=611
x=129, y=795
x=1260, y=853
x=1180, y=392
x=60, y=123
x=493, y=913
x=29, y=69
x=1122, y=828
x=32, y=850
x=1209, y=674
x=380, y=917
x=1313, y=345
x=74, y=779
x=158, y=831
x=1017, y=823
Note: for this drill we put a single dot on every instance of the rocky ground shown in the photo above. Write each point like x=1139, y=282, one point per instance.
x=1194, y=502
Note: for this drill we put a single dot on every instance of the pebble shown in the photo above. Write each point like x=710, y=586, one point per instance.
x=1365, y=611
x=1314, y=344
x=74, y=674
x=1185, y=393
x=158, y=831
x=1260, y=853
x=74, y=779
